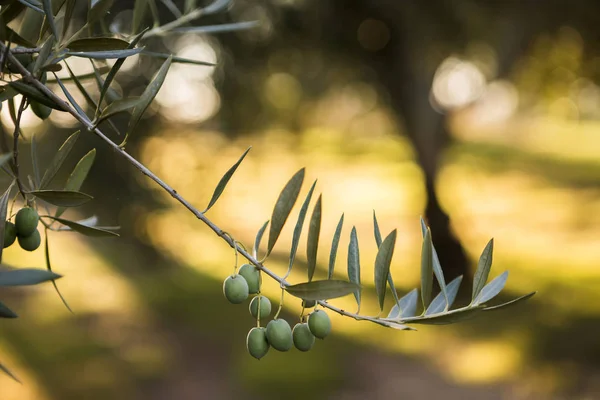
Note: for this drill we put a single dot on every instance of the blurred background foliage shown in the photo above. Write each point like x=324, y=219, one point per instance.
x=482, y=116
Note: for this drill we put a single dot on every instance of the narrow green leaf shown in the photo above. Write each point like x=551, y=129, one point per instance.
x=139, y=12
x=215, y=7
x=8, y=372
x=78, y=175
x=34, y=94
x=32, y=4
x=97, y=44
x=59, y=159
x=426, y=269
x=208, y=29
x=406, y=306
x=71, y=99
x=377, y=234
x=312, y=245
x=26, y=276
x=445, y=318
x=6, y=312
x=492, y=289
x=3, y=208
x=283, y=207
x=98, y=11
x=70, y=8
x=4, y=158
x=510, y=303
x=334, y=247
x=483, y=269
x=438, y=304
x=49, y=268
x=62, y=198
x=117, y=107
x=437, y=267
x=298, y=228
x=354, y=263
x=189, y=6
x=149, y=94
x=322, y=290
x=258, y=239
x=224, y=181
x=107, y=54
x=47, y=6
x=84, y=229
x=34, y=162
x=176, y=59
x=392, y=324
x=383, y=260
x=172, y=8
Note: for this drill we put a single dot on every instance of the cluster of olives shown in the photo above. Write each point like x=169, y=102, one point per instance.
x=278, y=333
x=24, y=229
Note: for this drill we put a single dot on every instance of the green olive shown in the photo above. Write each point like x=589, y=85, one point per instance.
x=42, y=111
x=31, y=242
x=26, y=221
x=265, y=307
x=308, y=303
x=303, y=337
x=256, y=343
x=252, y=276
x=10, y=233
x=319, y=324
x=235, y=289
x=279, y=334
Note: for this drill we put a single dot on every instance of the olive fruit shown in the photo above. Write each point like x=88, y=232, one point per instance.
x=256, y=343
x=319, y=324
x=308, y=303
x=42, y=111
x=26, y=221
x=279, y=334
x=10, y=233
x=235, y=289
x=252, y=276
x=303, y=337
x=31, y=242
x=265, y=307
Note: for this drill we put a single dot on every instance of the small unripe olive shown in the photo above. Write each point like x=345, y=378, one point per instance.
x=279, y=334
x=26, y=221
x=319, y=324
x=235, y=289
x=256, y=342
x=42, y=111
x=31, y=242
x=252, y=276
x=10, y=233
x=303, y=337
x=265, y=307
x=308, y=303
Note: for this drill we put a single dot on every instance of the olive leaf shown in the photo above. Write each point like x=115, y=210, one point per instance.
x=117, y=107
x=383, y=261
x=49, y=268
x=8, y=372
x=3, y=210
x=283, y=207
x=436, y=266
x=34, y=162
x=492, y=289
x=444, y=318
x=298, y=228
x=322, y=290
x=176, y=59
x=6, y=312
x=483, y=269
x=26, y=277
x=258, y=239
x=149, y=94
x=406, y=306
x=70, y=8
x=510, y=303
x=33, y=93
x=377, y=234
x=139, y=11
x=312, y=245
x=84, y=229
x=58, y=159
x=98, y=10
x=354, y=263
x=236, y=26
x=334, y=247
x=224, y=181
x=439, y=304
x=62, y=198
x=106, y=54
x=78, y=175
x=4, y=158
x=97, y=44
x=47, y=6
x=32, y=4
x=426, y=269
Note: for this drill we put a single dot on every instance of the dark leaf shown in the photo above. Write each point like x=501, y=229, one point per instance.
x=4, y=158
x=97, y=44
x=438, y=304
x=334, y=247
x=354, y=263
x=26, y=276
x=3, y=207
x=6, y=312
x=117, y=107
x=62, y=198
x=237, y=26
x=483, y=269
x=44, y=54
x=71, y=99
x=68, y=15
x=32, y=4
x=175, y=59
x=224, y=181
x=108, y=54
x=312, y=243
x=49, y=267
x=34, y=94
x=492, y=289
x=84, y=229
x=98, y=10
x=78, y=175
x=383, y=260
x=258, y=239
x=510, y=303
x=298, y=227
x=426, y=269
x=283, y=207
x=59, y=159
x=139, y=11
x=322, y=290
x=7, y=372
x=47, y=5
